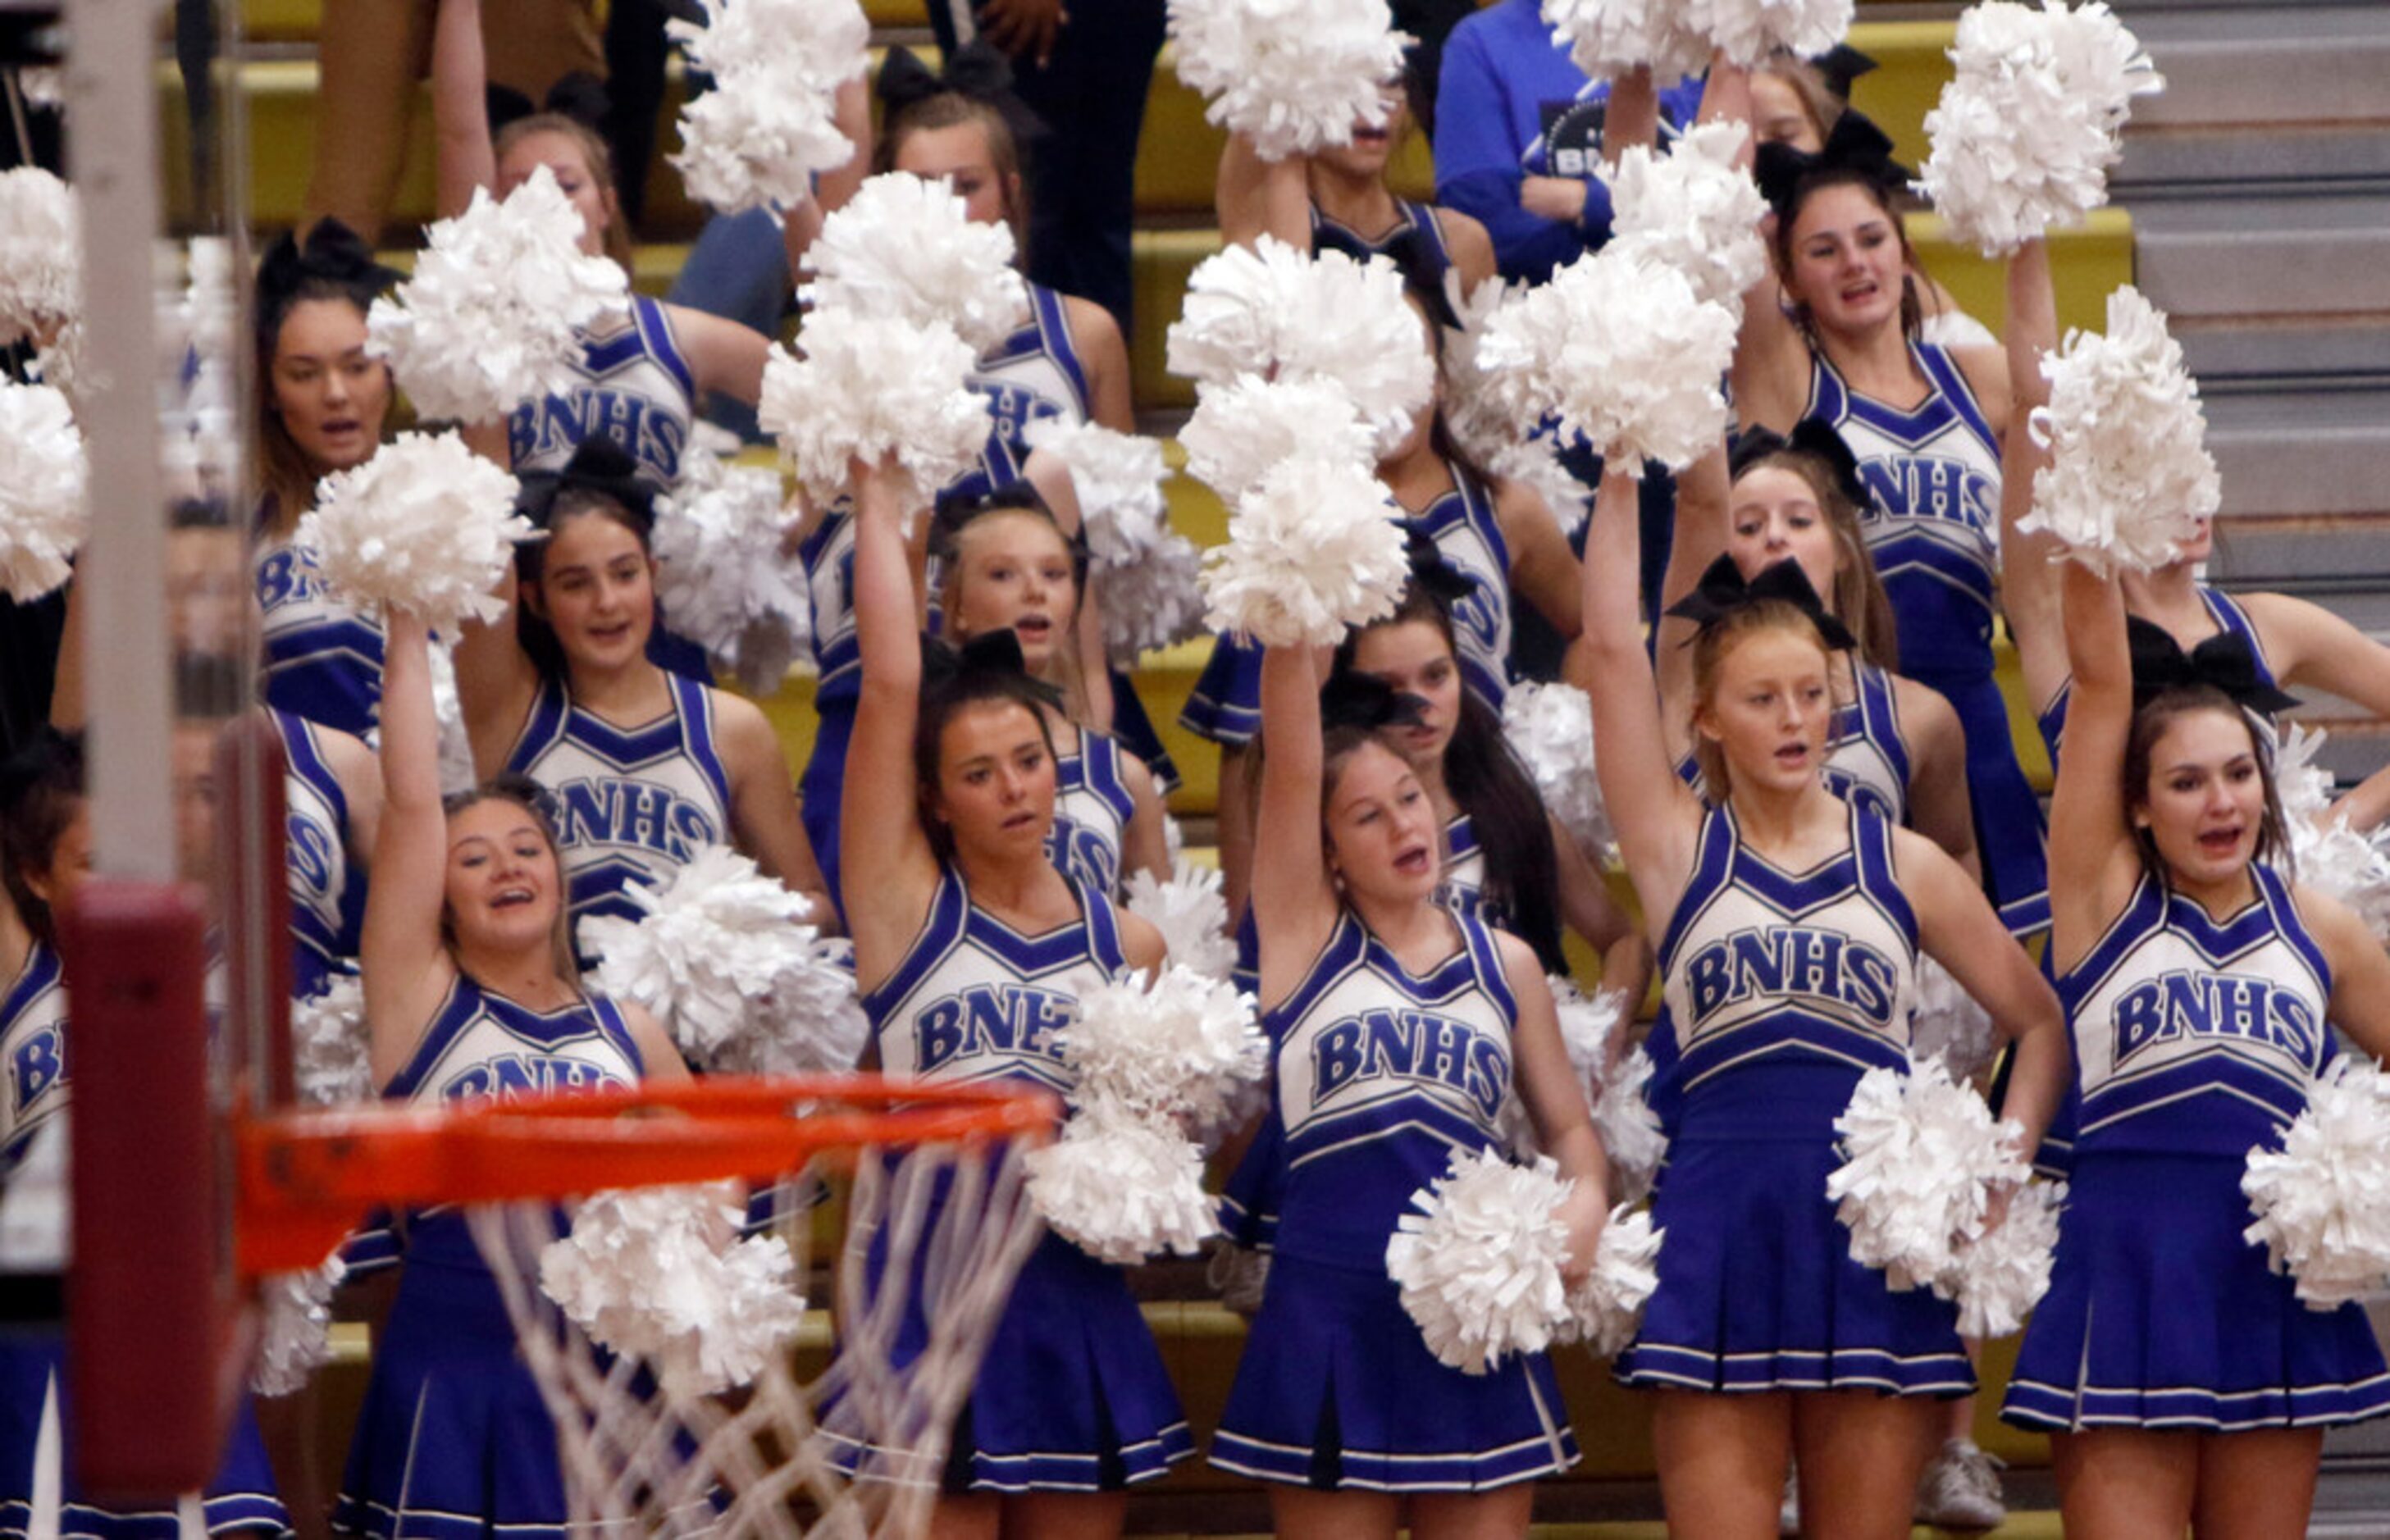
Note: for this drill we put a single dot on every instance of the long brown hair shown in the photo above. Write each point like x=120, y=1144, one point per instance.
x=1858, y=598
x=951, y=109
x=2151, y=720
x=532, y=798
x=1912, y=312
x=616, y=237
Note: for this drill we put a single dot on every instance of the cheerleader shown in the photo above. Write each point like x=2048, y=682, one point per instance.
x=45, y=853
x=2181, y=1380
x=332, y=810
x=645, y=766
x=322, y=399
x=1925, y=424
x=1788, y=922
x=952, y=898
x=1004, y=565
x=470, y=992
x=1896, y=747
x=1337, y=1401
x=1497, y=534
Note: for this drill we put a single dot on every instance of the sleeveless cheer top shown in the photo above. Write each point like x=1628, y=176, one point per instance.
x=322, y=659
x=33, y=1044
x=1092, y=807
x=327, y=897
x=631, y=385
x=1415, y=243
x=2231, y=620
x=1033, y=375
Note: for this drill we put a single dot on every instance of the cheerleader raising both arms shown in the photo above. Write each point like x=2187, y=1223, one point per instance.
x=2183, y=1382
x=960, y=919
x=1787, y=923
x=1338, y=1401
x=470, y=992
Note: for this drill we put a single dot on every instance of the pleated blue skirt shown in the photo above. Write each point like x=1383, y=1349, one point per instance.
x=1337, y=1390
x=2159, y=1314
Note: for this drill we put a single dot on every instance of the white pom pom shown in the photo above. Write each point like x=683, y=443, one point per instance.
x=1273, y=311
x=1192, y=915
x=1605, y=1307
x=757, y=138
x=2130, y=479
x=1292, y=75
x=43, y=516
x=425, y=526
x=2328, y=856
x=1144, y=569
x=866, y=388
x=1749, y=31
x=1313, y=549
x=328, y=1049
x=2003, y=1274
x=724, y=956
x=1480, y=1263
x=724, y=581
x=1588, y=1022
x=2322, y=1202
x=905, y=249
x=492, y=315
x=294, y=1329
x=1121, y=1190
x=2031, y=119
x=653, y=1273
x=1693, y=210
x=457, y=772
x=1620, y=349
x=1244, y=430
x=1608, y=38
x=1550, y=728
x=1630, y=1131
x=1176, y=1046
x=41, y=254
x=1920, y=1157
x=1945, y=1023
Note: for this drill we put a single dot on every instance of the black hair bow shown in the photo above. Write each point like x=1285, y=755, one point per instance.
x=955, y=511
x=1840, y=67
x=991, y=654
x=1352, y=698
x=2222, y=662
x=1722, y=592
x=331, y=253
x=577, y=94
x=1809, y=436
x=1431, y=573
x=976, y=69
x=1856, y=144
x=599, y=465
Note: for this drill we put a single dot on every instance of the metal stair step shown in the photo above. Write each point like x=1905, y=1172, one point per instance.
x=2267, y=64
x=2232, y=355
x=2166, y=162
x=2302, y=452
x=2268, y=255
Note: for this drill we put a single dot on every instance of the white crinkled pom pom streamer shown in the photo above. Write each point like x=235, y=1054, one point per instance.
x=758, y=136
x=1588, y=1022
x=1274, y=311
x=1620, y=349
x=2322, y=1202
x=1550, y=728
x=425, y=526
x=1605, y=1307
x=1312, y=550
x=1693, y=210
x=1123, y=1190
x=1292, y=75
x=457, y=773
x=724, y=579
x=294, y=1331
x=724, y=954
x=492, y=315
x=905, y=249
x=1945, y=1023
x=41, y=253
x=2352, y=866
x=1920, y=1155
x=2129, y=479
x=866, y=387
x=653, y=1273
x=1608, y=38
x=1630, y=1131
x=43, y=472
x=2031, y=119
x=1173, y=1047
x=1749, y=31
x=2003, y=1274
x=1192, y=913
x=1145, y=571
x=1479, y=1263
x=329, y=1050
x=1247, y=427
x=1478, y=421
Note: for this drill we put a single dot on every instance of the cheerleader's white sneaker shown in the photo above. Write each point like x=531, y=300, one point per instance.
x=1960, y=1488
